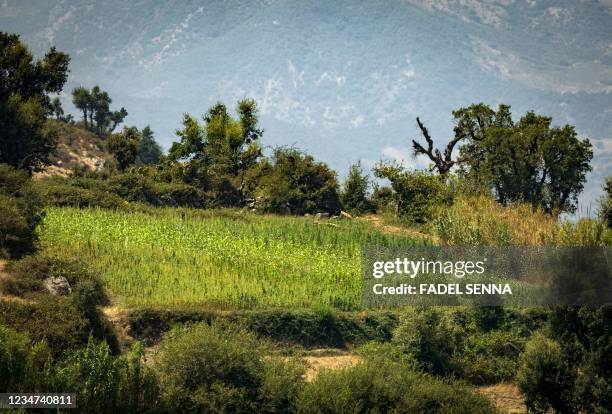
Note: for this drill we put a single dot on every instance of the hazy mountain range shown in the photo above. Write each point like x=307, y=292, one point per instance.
x=343, y=80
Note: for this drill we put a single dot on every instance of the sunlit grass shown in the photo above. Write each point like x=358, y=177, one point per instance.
x=220, y=258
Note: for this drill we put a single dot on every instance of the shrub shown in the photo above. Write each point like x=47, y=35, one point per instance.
x=214, y=368
x=419, y=195
x=63, y=192
x=22, y=364
x=545, y=377
x=355, y=191
x=53, y=319
x=490, y=357
x=20, y=213
x=386, y=387
x=431, y=338
x=107, y=384
x=292, y=182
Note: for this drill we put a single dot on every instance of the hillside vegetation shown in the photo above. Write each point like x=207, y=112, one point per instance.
x=223, y=258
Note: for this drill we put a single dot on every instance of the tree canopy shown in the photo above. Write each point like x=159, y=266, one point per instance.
x=95, y=106
x=25, y=85
x=528, y=160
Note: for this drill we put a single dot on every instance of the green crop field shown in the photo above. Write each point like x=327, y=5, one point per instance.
x=223, y=259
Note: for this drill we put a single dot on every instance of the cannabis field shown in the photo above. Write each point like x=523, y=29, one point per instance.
x=221, y=259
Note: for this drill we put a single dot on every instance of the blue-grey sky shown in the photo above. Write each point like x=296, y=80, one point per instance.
x=343, y=80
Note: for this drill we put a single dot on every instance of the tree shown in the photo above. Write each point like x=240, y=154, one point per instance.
x=124, y=147
x=219, y=153
x=81, y=98
x=56, y=107
x=25, y=103
x=293, y=182
x=149, y=151
x=355, y=191
x=418, y=194
x=527, y=161
x=95, y=105
x=20, y=213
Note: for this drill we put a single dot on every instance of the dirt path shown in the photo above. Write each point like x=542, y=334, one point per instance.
x=379, y=223
x=506, y=397
x=321, y=360
x=118, y=318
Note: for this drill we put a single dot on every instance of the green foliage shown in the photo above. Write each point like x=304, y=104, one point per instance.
x=124, y=147
x=605, y=204
x=384, y=386
x=42, y=312
x=115, y=192
x=243, y=260
x=419, y=195
x=293, y=182
x=431, y=338
x=20, y=213
x=218, y=369
x=23, y=365
x=545, y=377
x=528, y=160
x=304, y=327
x=355, y=190
x=585, y=337
x=57, y=320
x=95, y=105
x=25, y=143
x=149, y=151
x=217, y=155
x=107, y=384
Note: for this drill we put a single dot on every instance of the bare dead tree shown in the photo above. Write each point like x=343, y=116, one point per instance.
x=442, y=163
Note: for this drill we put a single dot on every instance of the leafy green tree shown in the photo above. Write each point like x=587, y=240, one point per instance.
x=354, y=195
x=25, y=104
x=124, y=147
x=95, y=105
x=528, y=160
x=20, y=213
x=293, y=182
x=81, y=98
x=149, y=151
x=218, y=153
x=56, y=107
x=418, y=194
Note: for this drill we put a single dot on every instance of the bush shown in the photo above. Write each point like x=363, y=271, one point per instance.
x=545, y=377
x=386, y=387
x=107, y=384
x=20, y=213
x=63, y=192
x=23, y=365
x=419, y=195
x=431, y=338
x=292, y=182
x=54, y=319
x=214, y=368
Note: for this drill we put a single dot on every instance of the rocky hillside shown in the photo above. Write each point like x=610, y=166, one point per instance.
x=76, y=148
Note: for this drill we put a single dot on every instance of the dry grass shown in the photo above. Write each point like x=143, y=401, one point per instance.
x=506, y=397
x=481, y=221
